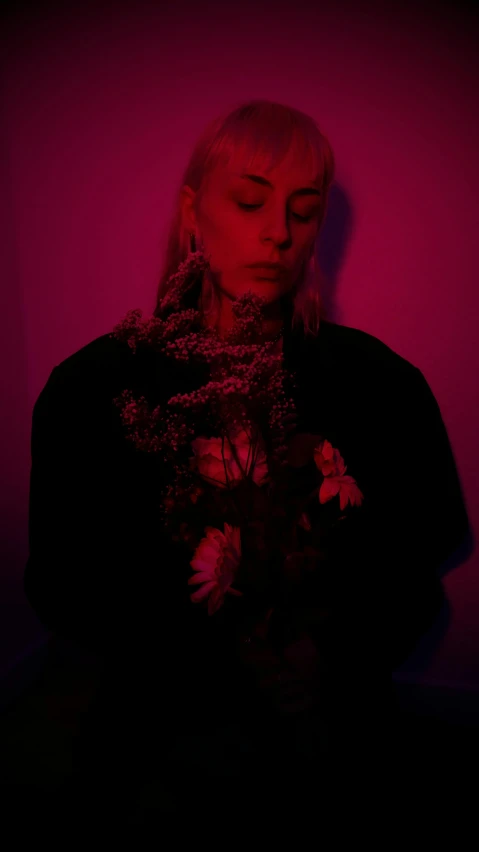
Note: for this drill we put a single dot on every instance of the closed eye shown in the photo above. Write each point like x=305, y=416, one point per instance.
x=255, y=206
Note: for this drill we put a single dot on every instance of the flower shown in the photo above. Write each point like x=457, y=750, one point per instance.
x=331, y=464
x=216, y=561
x=328, y=460
x=246, y=386
x=215, y=461
x=347, y=488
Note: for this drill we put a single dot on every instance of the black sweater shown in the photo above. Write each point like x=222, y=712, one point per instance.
x=100, y=572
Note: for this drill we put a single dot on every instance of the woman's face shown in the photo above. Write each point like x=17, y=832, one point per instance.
x=280, y=227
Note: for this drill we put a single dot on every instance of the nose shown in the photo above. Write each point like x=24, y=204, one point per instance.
x=278, y=230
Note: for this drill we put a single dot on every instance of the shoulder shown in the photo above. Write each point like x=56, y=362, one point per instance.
x=346, y=342
x=105, y=354
x=359, y=367
x=356, y=356
x=97, y=371
x=376, y=379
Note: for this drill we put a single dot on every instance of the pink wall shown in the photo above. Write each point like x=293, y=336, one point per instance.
x=100, y=110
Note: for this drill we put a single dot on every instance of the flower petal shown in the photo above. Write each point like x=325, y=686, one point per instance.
x=236, y=592
x=215, y=601
x=213, y=532
x=329, y=488
x=205, y=446
x=260, y=473
x=349, y=492
x=207, y=551
x=201, y=577
x=199, y=563
x=202, y=593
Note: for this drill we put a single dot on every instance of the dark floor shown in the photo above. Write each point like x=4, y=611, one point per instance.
x=42, y=795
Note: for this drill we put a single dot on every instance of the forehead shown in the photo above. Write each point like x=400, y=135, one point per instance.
x=293, y=170
x=288, y=179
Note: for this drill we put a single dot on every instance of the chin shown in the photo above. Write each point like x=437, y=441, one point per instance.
x=271, y=293
x=267, y=288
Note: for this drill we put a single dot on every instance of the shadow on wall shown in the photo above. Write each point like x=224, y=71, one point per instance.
x=333, y=246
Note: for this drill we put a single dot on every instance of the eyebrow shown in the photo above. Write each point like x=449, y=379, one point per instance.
x=306, y=190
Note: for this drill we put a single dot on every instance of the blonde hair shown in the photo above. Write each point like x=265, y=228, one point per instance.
x=261, y=133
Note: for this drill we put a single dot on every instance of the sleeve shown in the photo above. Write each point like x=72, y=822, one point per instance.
x=90, y=574
x=439, y=520
x=428, y=520
x=390, y=592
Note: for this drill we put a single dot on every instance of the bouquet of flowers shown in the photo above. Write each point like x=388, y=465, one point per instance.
x=256, y=502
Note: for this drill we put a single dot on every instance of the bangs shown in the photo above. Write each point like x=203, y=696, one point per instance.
x=262, y=135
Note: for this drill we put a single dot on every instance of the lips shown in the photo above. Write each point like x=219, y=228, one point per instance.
x=269, y=271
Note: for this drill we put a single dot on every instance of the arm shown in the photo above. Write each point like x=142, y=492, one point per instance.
x=434, y=515
x=93, y=540
x=389, y=592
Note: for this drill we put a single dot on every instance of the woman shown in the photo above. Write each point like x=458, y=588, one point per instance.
x=102, y=571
